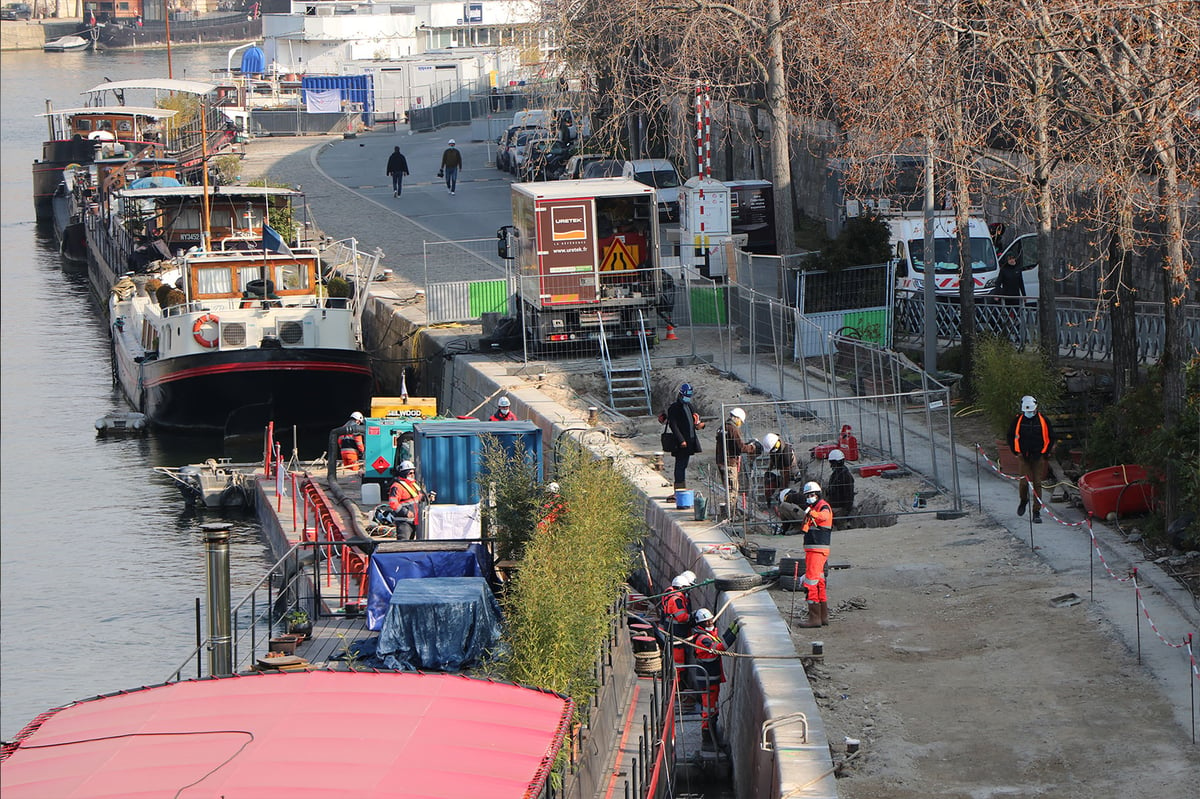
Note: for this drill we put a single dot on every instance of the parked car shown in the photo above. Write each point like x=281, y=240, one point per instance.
x=13, y=11
x=662, y=175
x=506, y=143
x=546, y=160
x=604, y=169
x=518, y=154
x=573, y=170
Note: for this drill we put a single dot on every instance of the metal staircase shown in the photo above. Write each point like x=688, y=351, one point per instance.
x=627, y=379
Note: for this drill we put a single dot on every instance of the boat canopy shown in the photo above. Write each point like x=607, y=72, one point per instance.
x=247, y=192
x=155, y=182
x=299, y=734
x=154, y=84
x=112, y=110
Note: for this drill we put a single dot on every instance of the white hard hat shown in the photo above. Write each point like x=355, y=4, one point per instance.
x=836, y=455
x=552, y=488
x=811, y=488
x=739, y=414
x=703, y=615
x=504, y=402
x=452, y=142
x=356, y=416
x=684, y=580
x=1028, y=404
x=783, y=494
x=406, y=466
x=769, y=441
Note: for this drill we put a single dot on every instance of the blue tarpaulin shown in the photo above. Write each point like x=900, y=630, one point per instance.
x=154, y=182
x=254, y=61
x=387, y=568
x=439, y=624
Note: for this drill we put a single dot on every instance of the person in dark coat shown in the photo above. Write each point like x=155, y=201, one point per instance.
x=1031, y=437
x=1010, y=286
x=397, y=167
x=683, y=422
x=451, y=163
x=840, y=485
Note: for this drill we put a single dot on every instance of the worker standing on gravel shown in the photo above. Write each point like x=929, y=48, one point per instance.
x=675, y=614
x=730, y=449
x=1031, y=438
x=709, y=646
x=782, y=466
x=404, y=500
x=818, y=530
x=841, y=484
x=682, y=422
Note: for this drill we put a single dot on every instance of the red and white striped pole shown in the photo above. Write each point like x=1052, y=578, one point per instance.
x=706, y=164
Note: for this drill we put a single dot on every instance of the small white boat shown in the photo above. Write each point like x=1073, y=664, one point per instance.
x=64, y=43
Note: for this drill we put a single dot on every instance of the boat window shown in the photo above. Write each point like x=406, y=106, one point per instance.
x=248, y=273
x=292, y=277
x=103, y=124
x=213, y=280
x=83, y=124
x=125, y=125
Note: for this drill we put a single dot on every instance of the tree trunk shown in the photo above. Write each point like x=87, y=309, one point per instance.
x=1044, y=209
x=1120, y=299
x=1175, y=286
x=777, y=105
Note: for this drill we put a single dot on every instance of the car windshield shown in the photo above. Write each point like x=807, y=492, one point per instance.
x=603, y=169
x=658, y=178
x=983, y=254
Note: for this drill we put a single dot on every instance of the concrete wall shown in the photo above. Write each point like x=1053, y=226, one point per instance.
x=21, y=35
x=766, y=680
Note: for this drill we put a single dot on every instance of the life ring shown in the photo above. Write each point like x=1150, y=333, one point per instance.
x=199, y=325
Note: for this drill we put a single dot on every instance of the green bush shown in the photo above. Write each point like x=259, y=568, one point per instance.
x=280, y=218
x=515, y=501
x=560, y=605
x=1003, y=375
x=337, y=287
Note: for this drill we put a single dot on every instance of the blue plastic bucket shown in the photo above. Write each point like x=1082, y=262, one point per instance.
x=684, y=499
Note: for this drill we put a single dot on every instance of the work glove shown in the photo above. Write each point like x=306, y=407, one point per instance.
x=731, y=634
x=757, y=446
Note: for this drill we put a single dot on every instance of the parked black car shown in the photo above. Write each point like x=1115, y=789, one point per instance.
x=546, y=160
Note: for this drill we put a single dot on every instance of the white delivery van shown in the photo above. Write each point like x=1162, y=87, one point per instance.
x=662, y=175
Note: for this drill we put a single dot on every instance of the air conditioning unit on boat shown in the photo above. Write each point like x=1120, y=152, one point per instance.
x=291, y=333
x=233, y=334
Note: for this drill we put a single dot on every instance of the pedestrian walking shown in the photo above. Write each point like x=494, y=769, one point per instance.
x=815, y=518
x=1031, y=439
x=682, y=422
x=675, y=615
x=397, y=168
x=1010, y=286
x=451, y=163
x=730, y=449
x=708, y=647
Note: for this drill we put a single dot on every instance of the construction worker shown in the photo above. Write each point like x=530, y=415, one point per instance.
x=682, y=422
x=817, y=529
x=782, y=466
x=503, y=412
x=708, y=648
x=675, y=614
x=730, y=449
x=404, y=500
x=1031, y=438
x=840, y=483
x=350, y=443
x=553, y=508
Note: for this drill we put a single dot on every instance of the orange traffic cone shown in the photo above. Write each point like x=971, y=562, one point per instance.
x=671, y=333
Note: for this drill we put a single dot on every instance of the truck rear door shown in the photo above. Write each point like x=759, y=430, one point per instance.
x=566, y=254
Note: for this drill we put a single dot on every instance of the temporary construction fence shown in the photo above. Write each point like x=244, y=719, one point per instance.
x=464, y=280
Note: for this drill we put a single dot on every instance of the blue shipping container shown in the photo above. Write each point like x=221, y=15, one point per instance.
x=448, y=455
x=354, y=89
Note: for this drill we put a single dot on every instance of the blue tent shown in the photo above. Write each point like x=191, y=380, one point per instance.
x=154, y=182
x=254, y=61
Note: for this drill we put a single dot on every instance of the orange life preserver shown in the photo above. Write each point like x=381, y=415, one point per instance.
x=200, y=323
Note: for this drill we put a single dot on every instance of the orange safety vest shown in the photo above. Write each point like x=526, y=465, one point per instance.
x=708, y=648
x=405, y=492
x=675, y=606
x=819, y=516
x=1017, y=434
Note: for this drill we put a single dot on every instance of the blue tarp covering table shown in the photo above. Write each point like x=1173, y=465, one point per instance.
x=388, y=568
x=439, y=624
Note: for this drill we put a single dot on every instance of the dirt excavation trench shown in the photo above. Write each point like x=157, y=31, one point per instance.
x=946, y=657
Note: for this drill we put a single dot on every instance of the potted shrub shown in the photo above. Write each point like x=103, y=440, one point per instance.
x=1002, y=376
x=298, y=622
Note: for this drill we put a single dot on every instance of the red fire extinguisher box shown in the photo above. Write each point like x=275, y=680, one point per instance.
x=847, y=443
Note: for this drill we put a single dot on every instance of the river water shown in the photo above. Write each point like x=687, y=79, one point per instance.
x=100, y=564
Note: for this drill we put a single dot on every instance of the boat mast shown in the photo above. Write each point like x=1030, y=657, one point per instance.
x=206, y=233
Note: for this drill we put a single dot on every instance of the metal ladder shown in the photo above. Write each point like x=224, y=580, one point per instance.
x=628, y=382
